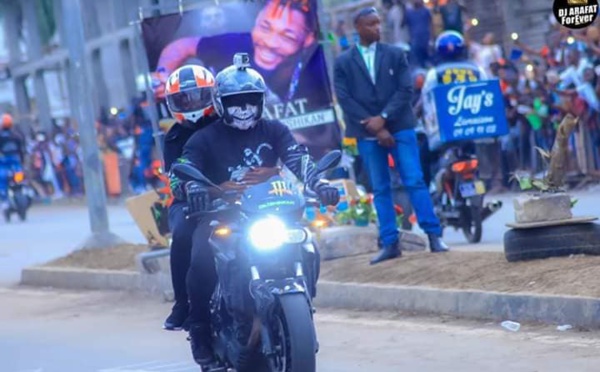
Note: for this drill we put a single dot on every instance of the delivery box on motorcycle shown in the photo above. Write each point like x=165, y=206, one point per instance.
x=464, y=111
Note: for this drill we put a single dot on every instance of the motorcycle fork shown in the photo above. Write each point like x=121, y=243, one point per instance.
x=255, y=332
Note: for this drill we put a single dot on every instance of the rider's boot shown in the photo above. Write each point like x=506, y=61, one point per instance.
x=201, y=343
x=177, y=319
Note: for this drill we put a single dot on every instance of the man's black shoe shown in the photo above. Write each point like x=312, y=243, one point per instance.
x=200, y=341
x=176, y=320
x=388, y=252
x=437, y=245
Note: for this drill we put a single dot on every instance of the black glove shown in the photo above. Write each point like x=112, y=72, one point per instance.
x=328, y=195
x=197, y=197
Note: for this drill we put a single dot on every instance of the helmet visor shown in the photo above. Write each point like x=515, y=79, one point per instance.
x=243, y=99
x=190, y=100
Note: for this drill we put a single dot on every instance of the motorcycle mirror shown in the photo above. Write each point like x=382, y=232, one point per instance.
x=329, y=161
x=186, y=172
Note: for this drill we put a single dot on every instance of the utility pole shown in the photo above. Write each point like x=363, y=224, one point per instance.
x=82, y=101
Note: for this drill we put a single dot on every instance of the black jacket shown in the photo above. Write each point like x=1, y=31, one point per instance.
x=360, y=98
x=11, y=144
x=224, y=153
x=177, y=137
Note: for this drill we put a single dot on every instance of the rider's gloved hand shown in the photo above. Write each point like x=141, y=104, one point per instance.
x=197, y=197
x=328, y=194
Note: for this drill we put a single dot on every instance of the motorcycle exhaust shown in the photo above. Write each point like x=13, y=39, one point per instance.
x=490, y=208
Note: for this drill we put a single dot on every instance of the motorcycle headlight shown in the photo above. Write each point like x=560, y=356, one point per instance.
x=268, y=234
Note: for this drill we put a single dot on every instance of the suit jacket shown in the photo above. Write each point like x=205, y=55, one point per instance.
x=360, y=98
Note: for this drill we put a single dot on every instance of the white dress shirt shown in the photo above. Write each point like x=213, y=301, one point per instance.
x=368, y=54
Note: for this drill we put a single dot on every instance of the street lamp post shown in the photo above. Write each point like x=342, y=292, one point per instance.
x=83, y=111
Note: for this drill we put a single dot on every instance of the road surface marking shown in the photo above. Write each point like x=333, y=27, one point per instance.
x=154, y=366
x=168, y=366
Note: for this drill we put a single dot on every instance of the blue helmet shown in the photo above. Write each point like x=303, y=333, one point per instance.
x=450, y=45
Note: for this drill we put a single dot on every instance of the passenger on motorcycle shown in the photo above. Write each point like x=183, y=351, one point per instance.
x=11, y=156
x=235, y=152
x=189, y=100
x=188, y=95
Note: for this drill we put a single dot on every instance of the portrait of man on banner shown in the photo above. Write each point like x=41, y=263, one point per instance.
x=281, y=37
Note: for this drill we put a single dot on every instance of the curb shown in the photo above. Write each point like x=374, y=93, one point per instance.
x=576, y=311
x=82, y=279
x=68, y=278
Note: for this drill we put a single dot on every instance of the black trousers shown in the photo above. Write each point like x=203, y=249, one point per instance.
x=201, y=276
x=182, y=231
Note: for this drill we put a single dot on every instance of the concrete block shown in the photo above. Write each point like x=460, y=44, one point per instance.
x=413, y=242
x=543, y=207
x=344, y=241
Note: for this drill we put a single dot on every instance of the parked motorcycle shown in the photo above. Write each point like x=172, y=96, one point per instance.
x=267, y=273
x=459, y=198
x=20, y=196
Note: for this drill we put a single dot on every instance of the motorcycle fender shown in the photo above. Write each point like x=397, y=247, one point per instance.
x=265, y=292
x=475, y=201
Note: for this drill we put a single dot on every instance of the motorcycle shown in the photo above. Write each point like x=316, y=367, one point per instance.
x=19, y=196
x=267, y=268
x=460, y=194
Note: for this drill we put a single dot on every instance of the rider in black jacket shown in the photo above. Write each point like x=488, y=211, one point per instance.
x=227, y=153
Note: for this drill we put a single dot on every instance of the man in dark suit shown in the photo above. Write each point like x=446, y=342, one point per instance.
x=374, y=88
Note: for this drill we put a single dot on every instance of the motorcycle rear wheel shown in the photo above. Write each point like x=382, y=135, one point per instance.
x=473, y=225
x=295, y=330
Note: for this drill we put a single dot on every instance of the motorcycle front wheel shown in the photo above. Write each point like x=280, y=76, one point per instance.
x=294, y=335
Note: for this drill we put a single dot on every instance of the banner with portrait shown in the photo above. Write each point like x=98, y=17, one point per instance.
x=281, y=37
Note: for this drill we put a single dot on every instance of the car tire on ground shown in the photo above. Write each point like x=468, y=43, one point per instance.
x=554, y=241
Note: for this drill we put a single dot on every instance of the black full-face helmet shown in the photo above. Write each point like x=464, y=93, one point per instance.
x=239, y=94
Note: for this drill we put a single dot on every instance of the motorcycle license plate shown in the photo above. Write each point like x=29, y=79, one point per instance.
x=469, y=189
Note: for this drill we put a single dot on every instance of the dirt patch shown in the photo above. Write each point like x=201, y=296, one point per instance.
x=486, y=271
x=121, y=257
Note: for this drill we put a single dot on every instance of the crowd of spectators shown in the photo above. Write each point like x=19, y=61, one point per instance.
x=54, y=160
x=539, y=85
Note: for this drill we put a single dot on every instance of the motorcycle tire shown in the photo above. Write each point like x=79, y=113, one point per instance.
x=554, y=241
x=22, y=203
x=473, y=231
x=299, y=343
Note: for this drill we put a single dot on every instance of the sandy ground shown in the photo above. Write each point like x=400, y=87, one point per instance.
x=121, y=257
x=488, y=271
x=64, y=331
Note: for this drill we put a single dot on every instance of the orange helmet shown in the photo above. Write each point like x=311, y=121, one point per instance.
x=189, y=93
x=7, y=121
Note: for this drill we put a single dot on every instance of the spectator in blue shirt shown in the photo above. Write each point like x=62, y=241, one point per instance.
x=418, y=20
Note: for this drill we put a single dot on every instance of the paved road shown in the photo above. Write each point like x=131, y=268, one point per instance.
x=53, y=231
x=58, y=331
